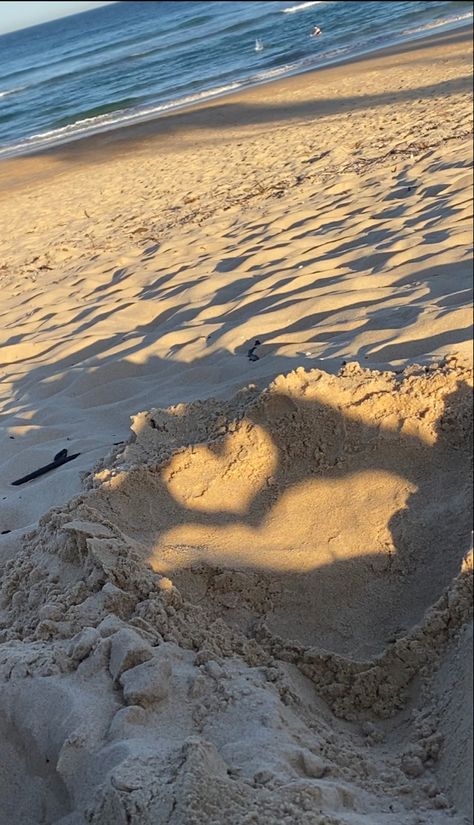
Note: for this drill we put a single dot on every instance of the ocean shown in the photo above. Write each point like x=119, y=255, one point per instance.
x=132, y=61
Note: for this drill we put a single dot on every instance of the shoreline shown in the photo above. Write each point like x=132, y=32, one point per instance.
x=147, y=125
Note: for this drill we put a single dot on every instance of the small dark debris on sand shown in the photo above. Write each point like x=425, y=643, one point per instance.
x=252, y=355
x=59, y=459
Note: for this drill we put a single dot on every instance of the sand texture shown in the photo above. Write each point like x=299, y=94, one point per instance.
x=256, y=608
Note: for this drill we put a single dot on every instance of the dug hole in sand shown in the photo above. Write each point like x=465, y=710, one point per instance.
x=258, y=611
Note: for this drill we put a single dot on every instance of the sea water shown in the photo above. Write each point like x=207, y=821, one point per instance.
x=132, y=61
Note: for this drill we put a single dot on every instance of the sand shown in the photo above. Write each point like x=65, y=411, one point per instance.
x=256, y=607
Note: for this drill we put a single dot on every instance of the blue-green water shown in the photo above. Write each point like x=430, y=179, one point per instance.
x=131, y=61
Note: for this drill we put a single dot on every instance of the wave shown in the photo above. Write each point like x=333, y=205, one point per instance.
x=112, y=120
x=8, y=92
x=88, y=115
x=199, y=20
x=301, y=7
x=100, y=65
x=97, y=120
x=140, y=106
x=434, y=24
x=67, y=57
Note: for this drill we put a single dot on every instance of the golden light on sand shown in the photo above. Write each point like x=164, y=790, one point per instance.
x=311, y=525
x=223, y=477
x=257, y=606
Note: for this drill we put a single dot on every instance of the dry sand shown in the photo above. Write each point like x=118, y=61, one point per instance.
x=257, y=608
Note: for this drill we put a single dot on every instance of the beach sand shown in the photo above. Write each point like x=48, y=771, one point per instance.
x=257, y=606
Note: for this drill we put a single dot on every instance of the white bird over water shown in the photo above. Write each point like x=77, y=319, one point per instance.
x=258, y=45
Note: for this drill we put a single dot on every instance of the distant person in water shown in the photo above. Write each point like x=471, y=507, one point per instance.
x=316, y=32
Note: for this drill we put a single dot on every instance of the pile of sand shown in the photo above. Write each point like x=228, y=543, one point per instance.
x=257, y=612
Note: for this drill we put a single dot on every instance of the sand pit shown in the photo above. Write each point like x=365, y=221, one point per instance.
x=254, y=613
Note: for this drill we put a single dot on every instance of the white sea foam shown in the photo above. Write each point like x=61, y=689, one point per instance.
x=301, y=7
x=435, y=24
x=7, y=92
x=126, y=116
x=111, y=120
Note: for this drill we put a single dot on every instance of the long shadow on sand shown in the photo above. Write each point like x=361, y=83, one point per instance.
x=355, y=525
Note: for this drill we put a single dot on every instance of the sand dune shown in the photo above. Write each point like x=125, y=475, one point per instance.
x=256, y=608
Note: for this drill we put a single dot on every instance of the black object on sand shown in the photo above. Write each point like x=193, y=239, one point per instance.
x=59, y=459
x=252, y=355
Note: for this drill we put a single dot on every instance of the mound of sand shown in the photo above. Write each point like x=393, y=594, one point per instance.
x=257, y=612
